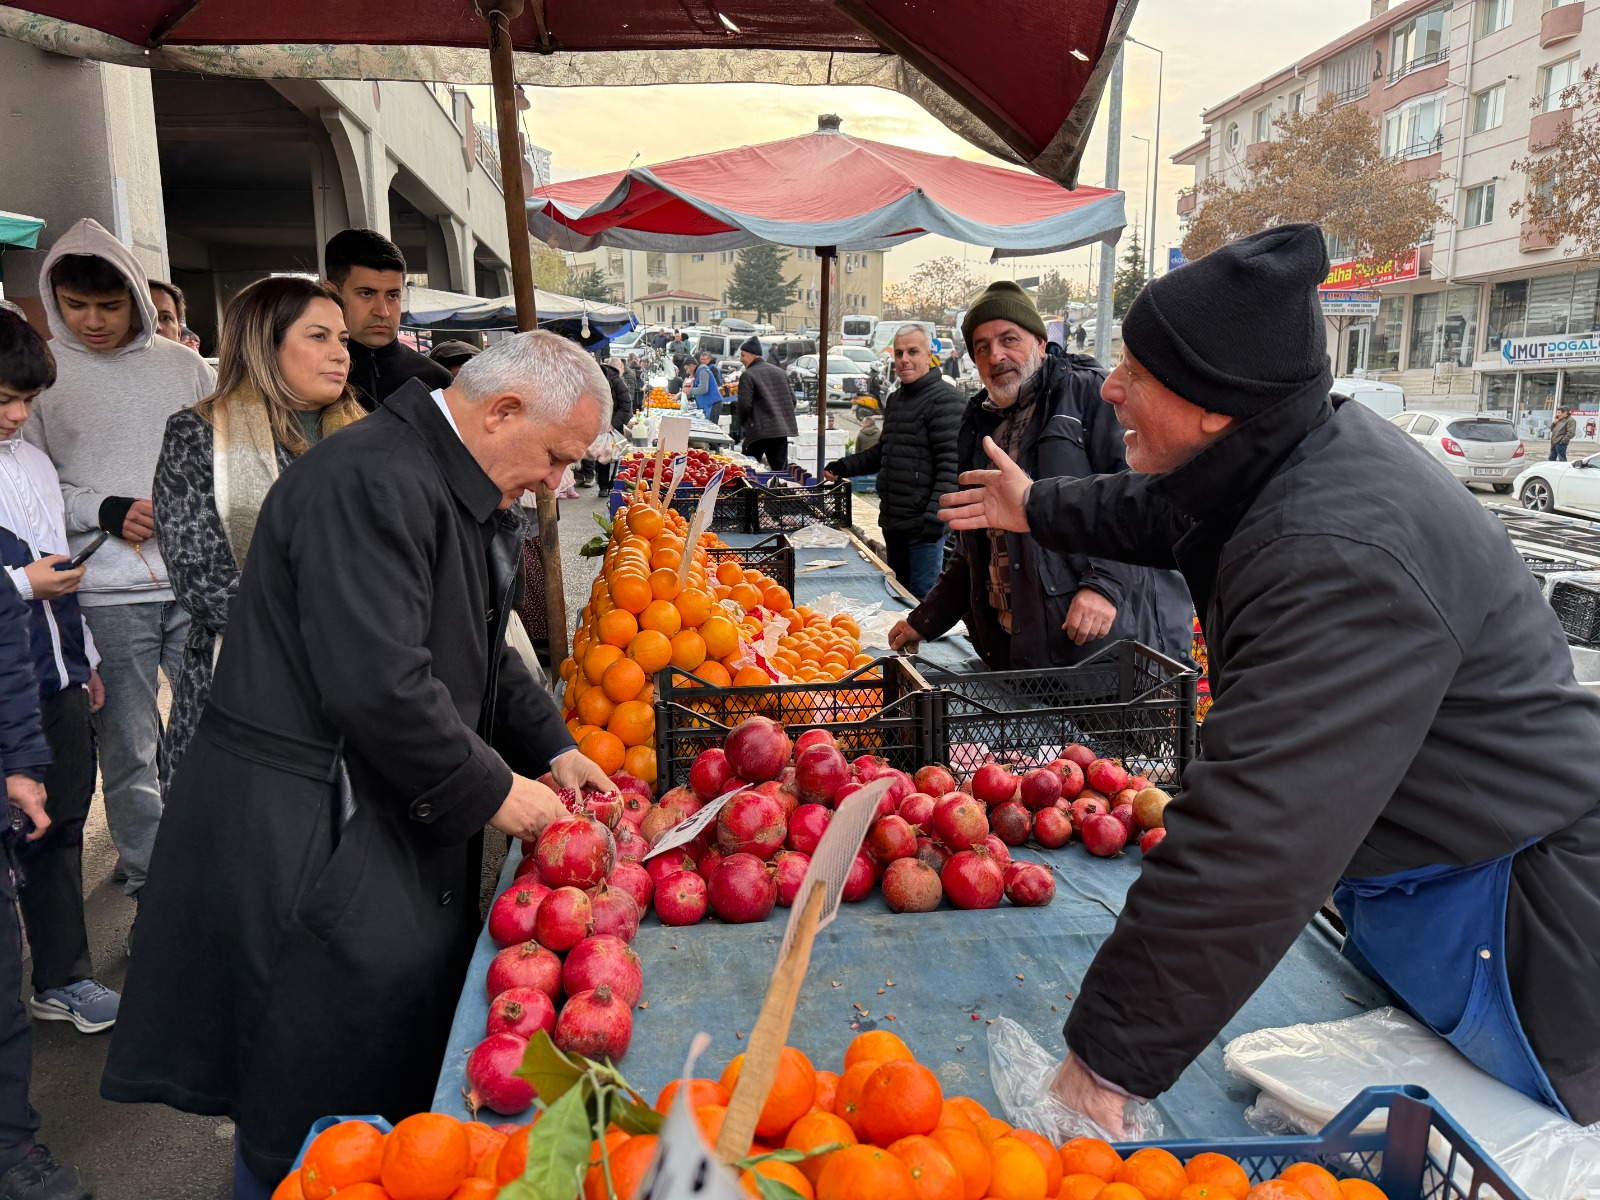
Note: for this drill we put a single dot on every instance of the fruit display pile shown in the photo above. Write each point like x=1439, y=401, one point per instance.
x=699, y=466
x=661, y=398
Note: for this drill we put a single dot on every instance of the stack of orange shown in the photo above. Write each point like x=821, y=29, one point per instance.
x=428, y=1156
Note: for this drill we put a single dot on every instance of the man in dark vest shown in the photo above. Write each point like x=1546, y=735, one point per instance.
x=369, y=273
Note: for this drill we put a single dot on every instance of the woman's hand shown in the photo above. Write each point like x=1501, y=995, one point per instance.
x=576, y=771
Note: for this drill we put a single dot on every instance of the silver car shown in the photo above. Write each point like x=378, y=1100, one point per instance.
x=1476, y=450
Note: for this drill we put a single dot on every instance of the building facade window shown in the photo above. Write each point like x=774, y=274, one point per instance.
x=1232, y=139
x=1555, y=305
x=1261, y=125
x=1413, y=129
x=1555, y=79
x=1494, y=15
x=1348, y=75
x=1489, y=108
x=1444, y=328
x=1480, y=206
x=697, y=258
x=1420, y=42
x=1297, y=101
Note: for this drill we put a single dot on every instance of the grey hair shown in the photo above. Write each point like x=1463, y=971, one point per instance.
x=908, y=330
x=550, y=373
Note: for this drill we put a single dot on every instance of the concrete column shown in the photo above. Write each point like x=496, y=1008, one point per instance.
x=460, y=246
x=365, y=168
x=437, y=260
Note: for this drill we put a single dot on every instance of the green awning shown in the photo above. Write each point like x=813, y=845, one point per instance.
x=18, y=230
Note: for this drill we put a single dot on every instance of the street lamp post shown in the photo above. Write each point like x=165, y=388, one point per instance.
x=1150, y=195
x=1150, y=229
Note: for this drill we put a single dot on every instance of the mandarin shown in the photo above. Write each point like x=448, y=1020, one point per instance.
x=633, y=723
x=426, y=1157
x=729, y=572
x=595, y=708
x=813, y=1131
x=744, y=595
x=651, y=649
x=1090, y=1156
x=289, y=1189
x=827, y=1089
x=688, y=650
x=617, y=628
x=791, y=1094
x=951, y=1116
x=597, y=659
x=484, y=1141
x=1277, y=1189
x=785, y=1173
x=971, y=1107
x=604, y=749
x=342, y=1155
x=876, y=1045
x=776, y=598
x=1155, y=1172
x=751, y=677
x=1080, y=1187
x=662, y=616
x=714, y=674
x=970, y=1157
x=900, y=1099
x=991, y=1129
x=640, y=762
x=701, y=1092
x=694, y=607
x=1120, y=1191
x=644, y=521
x=1203, y=1191
x=864, y=1173
x=847, y=1103
x=721, y=635
x=1317, y=1182
x=1018, y=1173
x=710, y=1118
x=1220, y=1172
x=630, y=1163
x=471, y=1189
x=933, y=1175
x=1049, y=1159
x=1361, y=1189
x=664, y=584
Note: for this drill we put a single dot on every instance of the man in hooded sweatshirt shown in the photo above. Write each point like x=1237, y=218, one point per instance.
x=102, y=423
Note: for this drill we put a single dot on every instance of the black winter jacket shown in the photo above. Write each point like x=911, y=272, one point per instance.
x=766, y=404
x=621, y=398
x=1074, y=434
x=378, y=374
x=1391, y=691
x=23, y=750
x=915, y=460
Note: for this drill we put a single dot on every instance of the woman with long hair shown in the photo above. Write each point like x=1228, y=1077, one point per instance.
x=282, y=386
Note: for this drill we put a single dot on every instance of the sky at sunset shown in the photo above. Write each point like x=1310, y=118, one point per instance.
x=1213, y=48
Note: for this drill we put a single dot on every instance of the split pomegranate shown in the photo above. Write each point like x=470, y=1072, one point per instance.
x=993, y=784
x=743, y=889
x=1106, y=775
x=491, y=1082
x=1041, y=787
x=1012, y=823
x=1029, y=885
x=891, y=838
x=527, y=965
x=1103, y=836
x=792, y=866
x=564, y=919
x=511, y=915
x=911, y=885
x=681, y=899
x=935, y=780
x=806, y=827
x=616, y=912
x=710, y=775
x=603, y=959
x=819, y=773
x=632, y=878
x=858, y=883
x=605, y=807
x=757, y=749
x=1052, y=828
x=751, y=823
x=972, y=879
x=522, y=1011
x=576, y=851
x=959, y=821
x=595, y=1024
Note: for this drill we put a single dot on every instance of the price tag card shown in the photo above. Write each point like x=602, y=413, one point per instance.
x=687, y=830
x=685, y=1167
x=674, y=434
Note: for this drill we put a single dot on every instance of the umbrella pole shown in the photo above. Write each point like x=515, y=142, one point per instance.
x=827, y=254
x=503, y=70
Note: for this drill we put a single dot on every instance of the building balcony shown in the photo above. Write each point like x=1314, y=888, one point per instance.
x=1559, y=24
x=1187, y=203
x=1424, y=166
x=1421, y=63
x=1546, y=127
x=1531, y=239
x=1253, y=152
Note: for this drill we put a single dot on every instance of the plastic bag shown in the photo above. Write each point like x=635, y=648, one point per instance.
x=1021, y=1070
x=813, y=536
x=1307, y=1073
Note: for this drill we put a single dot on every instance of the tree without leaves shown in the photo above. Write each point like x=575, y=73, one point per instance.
x=588, y=285
x=941, y=286
x=900, y=303
x=1563, y=199
x=1326, y=167
x=1130, y=277
x=758, y=284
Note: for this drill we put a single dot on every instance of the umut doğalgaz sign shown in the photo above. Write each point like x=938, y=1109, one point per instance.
x=1580, y=350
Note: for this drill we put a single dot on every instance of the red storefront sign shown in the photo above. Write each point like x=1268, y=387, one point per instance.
x=1351, y=276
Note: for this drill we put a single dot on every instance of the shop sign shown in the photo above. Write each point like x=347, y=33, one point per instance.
x=1350, y=304
x=1175, y=258
x=1580, y=351
x=1370, y=273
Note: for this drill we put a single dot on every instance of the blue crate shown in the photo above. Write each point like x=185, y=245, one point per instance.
x=1420, y=1154
x=323, y=1123
x=863, y=484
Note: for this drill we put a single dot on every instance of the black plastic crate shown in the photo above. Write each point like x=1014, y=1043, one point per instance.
x=1577, y=604
x=731, y=513
x=1127, y=702
x=786, y=509
x=772, y=555
x=883, y=707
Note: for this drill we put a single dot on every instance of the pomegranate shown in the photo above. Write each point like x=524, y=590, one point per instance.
x=959, y=821
x=604, y=959
x=743, y=889
x=993, y=784
x=528, y=867
x=564, y=919
x=1081, y=755
x=1124, y=813
x=899, y=788
x=595, y=1024
x=917, y=809
x=932, y=853
x=1103, y=835
x=1106, y=775
x=681, y=899
x=890, y=839
x=1029, y=885
x=527, y=965
x=1071, y=776
x=972, y=879
x=576, y=851
x=710, y=775
x=911, y=885
x=635, y=796
x=810, y=738
x=848, y=790
x=1125, y=796
x=791, y=866
x=757, y=749
x=1012, y=823
x=807, y=826
x=858, y=883
x=819, y=773
x=511, y=915
x=1150, y=807
x=616, y=912
x=669, y=863
x=998, y=850
x=1138, y=782
x=751, y=823
x=656, y=822
x=1052, y=828
x=934, y=780
x=1086, y=806
x=1151, y=838
x=709, y=862
x=868, y=767
x=491, y=1083
x=605, y=807
x=522, y=1011
x=631, y=845
x=632, y=878
x=1041, y=787
x=682, y=803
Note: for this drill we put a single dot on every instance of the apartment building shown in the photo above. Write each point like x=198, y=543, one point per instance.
x=1488, y=314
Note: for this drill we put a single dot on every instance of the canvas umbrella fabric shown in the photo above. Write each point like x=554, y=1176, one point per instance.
x=18, y=230
x=432, y=308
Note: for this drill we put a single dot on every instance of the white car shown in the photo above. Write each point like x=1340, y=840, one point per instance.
x=1475, y=449
x=1572, y=487
x=803, y=374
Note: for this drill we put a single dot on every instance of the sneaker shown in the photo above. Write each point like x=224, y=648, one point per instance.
x=42, y=1177
x=92, y=1008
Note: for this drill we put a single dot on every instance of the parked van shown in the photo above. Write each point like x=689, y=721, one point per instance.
x=1385, y=399
x=856, y=331
x=722, y=343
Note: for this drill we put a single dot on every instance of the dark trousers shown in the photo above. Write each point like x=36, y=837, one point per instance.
x=604, y=473
x=18, y=1121
x=774, y=450
x=1558, y=452
x=52, y=867
x=915, y=564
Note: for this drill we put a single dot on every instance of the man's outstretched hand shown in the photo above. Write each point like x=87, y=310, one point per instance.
x=996, y=499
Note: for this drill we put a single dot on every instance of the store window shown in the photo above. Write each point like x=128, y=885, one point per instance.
x=1489, y=108
x=1444, y=328
x=1536, y=404
x=1498, y=397
x=1494, y=16
x=1508, y=312
x=1480, y=206
x=1555, y=79
x=1413, y=129
x=1580, y=391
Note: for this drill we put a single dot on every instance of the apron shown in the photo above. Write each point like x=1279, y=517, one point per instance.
x=1436, y=937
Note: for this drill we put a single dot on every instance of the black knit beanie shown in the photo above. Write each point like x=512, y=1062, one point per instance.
x=1241, y=328
x=1003, y=300
x=751, y=346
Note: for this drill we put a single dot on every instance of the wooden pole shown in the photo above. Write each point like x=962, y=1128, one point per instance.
x=502, y=65
x=827, y=254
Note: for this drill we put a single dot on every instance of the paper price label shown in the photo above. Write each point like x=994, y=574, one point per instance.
x=689, y=828
x=685, y=1167
x=673, y=437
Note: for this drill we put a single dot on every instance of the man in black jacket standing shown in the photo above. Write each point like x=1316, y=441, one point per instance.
x=369, y=273
x=915, y=462
x=1395, y=718
x=765, y=408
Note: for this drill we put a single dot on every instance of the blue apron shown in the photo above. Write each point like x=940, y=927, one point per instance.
x=1436, y=937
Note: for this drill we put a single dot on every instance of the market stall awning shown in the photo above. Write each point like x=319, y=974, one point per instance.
x=18, y=230
x=821, y=189
x=1019, y=78
x=429, y=308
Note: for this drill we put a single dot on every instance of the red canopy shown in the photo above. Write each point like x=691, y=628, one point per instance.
x=1021, y=78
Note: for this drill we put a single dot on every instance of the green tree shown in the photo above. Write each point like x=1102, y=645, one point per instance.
x=1056, y=291
x=588, y=285
x=549, y=267
x=758, y=284
x=1130, y=277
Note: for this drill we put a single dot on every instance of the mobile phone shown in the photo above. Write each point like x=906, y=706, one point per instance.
x=82, y=556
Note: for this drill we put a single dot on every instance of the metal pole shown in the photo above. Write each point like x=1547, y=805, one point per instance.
x=1155, y=173
x=503, y=72
x=826, y=254
x=1108, y=258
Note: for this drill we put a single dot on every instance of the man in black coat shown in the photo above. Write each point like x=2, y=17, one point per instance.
x=1026, y=604
x=292, y=958
x=1395, y=719
x=915, y=462
x=368, y=272
x=621, y=412
x=764, y=410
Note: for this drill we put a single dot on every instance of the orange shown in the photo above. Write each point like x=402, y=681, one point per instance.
x=598, y=659
x=791, y=1094
x=1203, y=1191
x=876, y=1045
x=776, y=598
x=865, y=1173
x=1120, y=1191
x=970, y=1158
x=1018, y=1173
x=665, y=559
x=991, y=1129
x=827, y=1089
x=1316, y=1182
x=694, y=607
x=644, y=521
x=630, y=1162
x=933, y=1175
x=623, y=680
x=634, y=724
x=710, y=1118
x=289, y=1189
x=701, y=1092
x=814, y=1130
x=426, y=1157
x=971, y=1107
x=664, y=584
x=1155, y=1172
x=1049, y=1159
x=604, y=749
x=1350, y=1189
x=472, y=1189
x=688, y=650
x=729, y=572
x=898, y=1100
x=651, y=649
x=1277, y=1189
x=484, y=1140
x=1090, y=1156
x=371, y=1191
x=640, y=762
x=847, y=1103
x=744, y=595
x=629, y=592
x=1219, y=1172
x=1081, y=1187
x=714, y=674
x=595, y=708
x=785, y=1173
x=752, y=677
x=350, y=1152
x=617, y=628
x=721, y=635
x=952, y=1117
x=662, y=616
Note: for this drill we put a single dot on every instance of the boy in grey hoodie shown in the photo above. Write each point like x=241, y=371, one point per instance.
x=102, y=425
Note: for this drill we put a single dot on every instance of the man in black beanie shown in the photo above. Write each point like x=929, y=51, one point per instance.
x=763, y=414
x=1395, y=720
